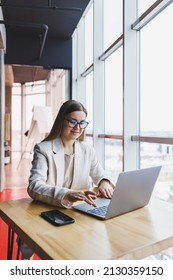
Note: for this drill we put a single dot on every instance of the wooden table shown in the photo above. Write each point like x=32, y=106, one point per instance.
x=134, y=235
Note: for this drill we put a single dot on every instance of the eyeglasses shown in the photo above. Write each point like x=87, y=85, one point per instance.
x=73, y=123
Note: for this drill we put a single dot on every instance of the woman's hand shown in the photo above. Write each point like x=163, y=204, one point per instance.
x=87, y=196
x=105, y=189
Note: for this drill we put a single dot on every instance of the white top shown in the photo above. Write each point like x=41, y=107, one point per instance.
x=68, y=170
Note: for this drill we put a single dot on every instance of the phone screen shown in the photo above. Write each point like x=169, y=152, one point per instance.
x=57, y=218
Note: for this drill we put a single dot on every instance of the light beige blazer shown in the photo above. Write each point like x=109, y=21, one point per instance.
x=47, y=172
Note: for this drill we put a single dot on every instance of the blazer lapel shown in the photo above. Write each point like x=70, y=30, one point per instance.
x=58, y=156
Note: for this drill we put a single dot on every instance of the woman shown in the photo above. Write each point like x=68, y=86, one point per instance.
x=64, y=164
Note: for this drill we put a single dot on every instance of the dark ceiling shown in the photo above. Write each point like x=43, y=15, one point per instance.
x=39, y=34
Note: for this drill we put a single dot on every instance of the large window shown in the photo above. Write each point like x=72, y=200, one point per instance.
x=156, y=77
x=113, y=21
x=156, y=96
x=89, y=37
x=114, y=93
x=113, y=157
x=89, y=106
x=114, y=104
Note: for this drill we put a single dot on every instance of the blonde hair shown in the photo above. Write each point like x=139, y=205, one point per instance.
x=66, y=108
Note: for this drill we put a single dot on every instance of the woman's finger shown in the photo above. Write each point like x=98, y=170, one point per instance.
x=90, y=201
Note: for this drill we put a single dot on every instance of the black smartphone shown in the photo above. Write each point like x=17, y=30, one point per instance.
x=57, y=218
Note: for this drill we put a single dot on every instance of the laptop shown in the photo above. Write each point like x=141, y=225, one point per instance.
x=133, y=190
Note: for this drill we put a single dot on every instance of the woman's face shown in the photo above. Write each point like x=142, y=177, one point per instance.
x=72, y=133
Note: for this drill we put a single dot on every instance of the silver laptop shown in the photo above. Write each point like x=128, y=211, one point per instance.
x=133, y=190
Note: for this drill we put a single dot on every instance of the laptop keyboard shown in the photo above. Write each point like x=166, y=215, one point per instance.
x=99, y=211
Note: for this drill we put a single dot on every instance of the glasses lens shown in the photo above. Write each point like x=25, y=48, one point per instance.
x=83, y=124
x=72, y=123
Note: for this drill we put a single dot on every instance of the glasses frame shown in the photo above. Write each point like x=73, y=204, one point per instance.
x=77, y=123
